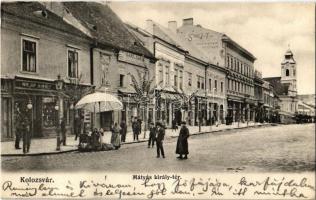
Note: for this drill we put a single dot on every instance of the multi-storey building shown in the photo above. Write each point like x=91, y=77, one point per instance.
x=116, y=55
x=222, y=51
x=194, y=76
x=168, y=72
x=258, y=91
x=45, y=44
x=37, y=47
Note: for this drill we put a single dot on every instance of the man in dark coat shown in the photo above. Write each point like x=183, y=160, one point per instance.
x=182, y=143
x=174, y=125
x=18, y=130
x=123, y=131
x=26, y=133
x=160, y=137
x=135, y=128
x=152, y=135
x=77, y=127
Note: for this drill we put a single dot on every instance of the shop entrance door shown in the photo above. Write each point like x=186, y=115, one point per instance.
x=106, y=120
x=6, y=128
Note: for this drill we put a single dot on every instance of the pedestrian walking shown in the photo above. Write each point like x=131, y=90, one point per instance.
x=77, y=127
x=26, y=133
x=18, y=130
x=152, y=135
x=174, y=125
x=139, y=121
x=123, y=131
x=159, y=141
x=63, y=131
x=115, y=138
x=135, y=127
x=182, y=143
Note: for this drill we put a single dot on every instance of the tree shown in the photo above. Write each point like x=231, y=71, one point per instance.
x=75, y=91
x=184, y=99
x=145, y=92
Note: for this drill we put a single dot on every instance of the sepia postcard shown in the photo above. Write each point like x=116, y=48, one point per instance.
x=157, y=100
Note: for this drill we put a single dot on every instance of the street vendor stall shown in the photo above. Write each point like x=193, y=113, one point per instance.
x=96, y=102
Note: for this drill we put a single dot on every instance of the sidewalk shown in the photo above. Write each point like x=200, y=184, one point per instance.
x=48, y=145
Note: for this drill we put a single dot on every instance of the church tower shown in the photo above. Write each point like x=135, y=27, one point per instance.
x=288, y=72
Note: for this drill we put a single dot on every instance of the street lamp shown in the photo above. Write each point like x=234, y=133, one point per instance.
x=29, y=107
x=59, y=86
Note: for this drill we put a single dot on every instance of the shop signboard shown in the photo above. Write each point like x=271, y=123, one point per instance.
x=134, y=59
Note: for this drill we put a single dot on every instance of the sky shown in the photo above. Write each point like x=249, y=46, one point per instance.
x=267, y=30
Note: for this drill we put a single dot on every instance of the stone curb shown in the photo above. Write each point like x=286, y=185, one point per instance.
x=133, y=142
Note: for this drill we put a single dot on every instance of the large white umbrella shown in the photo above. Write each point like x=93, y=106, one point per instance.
x=99, y=102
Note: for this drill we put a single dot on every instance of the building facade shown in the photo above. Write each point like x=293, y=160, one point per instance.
x=285, y=88
x=224, y=52
x=115, y=56
x=37, y=48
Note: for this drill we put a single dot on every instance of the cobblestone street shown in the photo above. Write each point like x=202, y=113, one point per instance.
x=284, y=148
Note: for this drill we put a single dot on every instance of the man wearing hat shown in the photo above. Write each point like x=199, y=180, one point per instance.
x=152, y=135
x=159, y=140
x=182, y=143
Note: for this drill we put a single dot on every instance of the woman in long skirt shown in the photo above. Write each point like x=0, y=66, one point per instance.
x=116, y=139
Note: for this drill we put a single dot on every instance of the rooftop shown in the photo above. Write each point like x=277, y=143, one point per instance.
x=106, y=26
x=37, y=13
x=279, y=88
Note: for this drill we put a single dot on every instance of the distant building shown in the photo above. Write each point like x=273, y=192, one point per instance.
x=184, y=68
x=306, y=104
x=285, y=87
x=224, y=52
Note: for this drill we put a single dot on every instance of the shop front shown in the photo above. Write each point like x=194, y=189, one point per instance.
x=40, y=101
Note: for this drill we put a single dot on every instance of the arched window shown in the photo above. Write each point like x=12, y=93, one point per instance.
x=287, y=72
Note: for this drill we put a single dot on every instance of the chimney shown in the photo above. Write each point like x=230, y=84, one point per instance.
x=172, y=25
x=55, y=7
x=149, y=26
x=187, y=22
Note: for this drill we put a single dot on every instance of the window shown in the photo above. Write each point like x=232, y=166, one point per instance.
x=241, y=68
x=181, y=79
x=160, y=73
x=293, y=72
x=189, y=79
x=238, y=87
x=287, y=72
x=237, y=66
x=121, y=80
x=167, y=75
x=215, y=85
x=28, y=56
x=175, y=79
x=231, y=63
x=228, y=61
x=210, y=84
x=202, y=82
x=222, y=87
x=49, y=113
x=72, y=64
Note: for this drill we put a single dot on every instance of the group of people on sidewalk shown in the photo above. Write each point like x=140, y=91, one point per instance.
x=157, y=134
x=23, y=131
x=93, y=140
